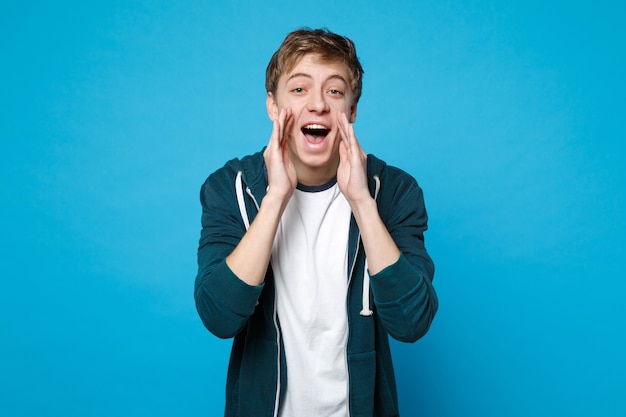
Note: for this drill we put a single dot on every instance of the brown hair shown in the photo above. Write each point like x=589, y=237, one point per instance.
x=329, y=46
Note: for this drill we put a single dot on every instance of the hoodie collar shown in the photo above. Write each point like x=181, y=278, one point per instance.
x=255, y=175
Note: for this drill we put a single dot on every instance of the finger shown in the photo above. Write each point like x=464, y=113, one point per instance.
x=273, y=137
x=281, y=126
x=347, y=128
x=283, y=123
x=343, y=152
x=342, y=121
x=352, y=144
x=287, y=124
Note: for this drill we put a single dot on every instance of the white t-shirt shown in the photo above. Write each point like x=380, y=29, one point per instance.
x=309, y=260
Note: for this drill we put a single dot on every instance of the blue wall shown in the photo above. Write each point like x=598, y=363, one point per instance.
x=510, y=114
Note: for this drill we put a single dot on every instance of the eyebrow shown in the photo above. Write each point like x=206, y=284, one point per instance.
x=302, y=74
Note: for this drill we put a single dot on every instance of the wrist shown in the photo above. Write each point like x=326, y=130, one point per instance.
x=275, y=201
x=364, y=207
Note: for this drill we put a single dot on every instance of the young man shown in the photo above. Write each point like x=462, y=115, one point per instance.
x=312, y=252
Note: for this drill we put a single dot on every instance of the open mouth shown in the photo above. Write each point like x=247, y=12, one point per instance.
x=315, y=132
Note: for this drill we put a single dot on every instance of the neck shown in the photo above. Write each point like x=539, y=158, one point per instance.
x=316, y=176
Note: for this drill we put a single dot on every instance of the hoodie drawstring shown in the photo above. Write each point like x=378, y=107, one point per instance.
x=366, y=311
x=241, y=201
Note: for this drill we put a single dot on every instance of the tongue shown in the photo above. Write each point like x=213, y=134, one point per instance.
x=314, y=137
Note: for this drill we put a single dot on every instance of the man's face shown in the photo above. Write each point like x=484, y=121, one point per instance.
x=316, y=92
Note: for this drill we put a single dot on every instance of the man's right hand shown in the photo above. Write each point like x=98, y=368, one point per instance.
x=281, y=172
x=251, y=256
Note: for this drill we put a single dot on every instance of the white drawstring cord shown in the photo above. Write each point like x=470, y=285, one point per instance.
x=241, y=201
x=366, y=311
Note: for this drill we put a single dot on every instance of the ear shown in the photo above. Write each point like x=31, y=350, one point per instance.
x=352, y=117
x=272, y=107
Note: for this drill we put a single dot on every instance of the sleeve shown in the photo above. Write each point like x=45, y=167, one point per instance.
x=404, y=296
x=223, y=301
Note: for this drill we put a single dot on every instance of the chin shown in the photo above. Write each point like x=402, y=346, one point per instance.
x=318, y=160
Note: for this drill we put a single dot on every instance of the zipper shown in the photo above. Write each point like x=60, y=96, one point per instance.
x=277, y=398
x=356, y=254
x=275, y=320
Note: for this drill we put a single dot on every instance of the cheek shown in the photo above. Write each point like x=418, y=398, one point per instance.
x=343, y=108
x=293, y=136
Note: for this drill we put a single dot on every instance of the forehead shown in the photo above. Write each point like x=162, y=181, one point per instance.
x=314, y=66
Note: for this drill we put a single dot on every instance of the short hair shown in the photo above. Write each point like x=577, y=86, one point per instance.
x=329, y=46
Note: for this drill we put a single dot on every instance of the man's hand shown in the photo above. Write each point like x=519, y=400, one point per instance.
x=351, y=173
x=281, y=172
x=251, y=256
x=379, y=246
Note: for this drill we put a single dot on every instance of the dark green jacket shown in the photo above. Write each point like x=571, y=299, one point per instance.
x=402, y=296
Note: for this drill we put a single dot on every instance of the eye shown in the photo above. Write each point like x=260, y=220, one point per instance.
x=335, y=92
x=298, y=90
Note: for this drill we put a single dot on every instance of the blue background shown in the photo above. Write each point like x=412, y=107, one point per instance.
x=510, y=115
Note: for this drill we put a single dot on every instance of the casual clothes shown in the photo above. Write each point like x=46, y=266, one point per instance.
x=398, y=301
x=309, y=260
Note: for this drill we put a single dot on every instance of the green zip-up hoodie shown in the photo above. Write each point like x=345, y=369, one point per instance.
x=402, y=297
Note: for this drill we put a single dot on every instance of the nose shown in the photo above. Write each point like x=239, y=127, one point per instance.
x=318, y=102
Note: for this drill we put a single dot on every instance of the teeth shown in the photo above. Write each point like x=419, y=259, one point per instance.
x=315, y=126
